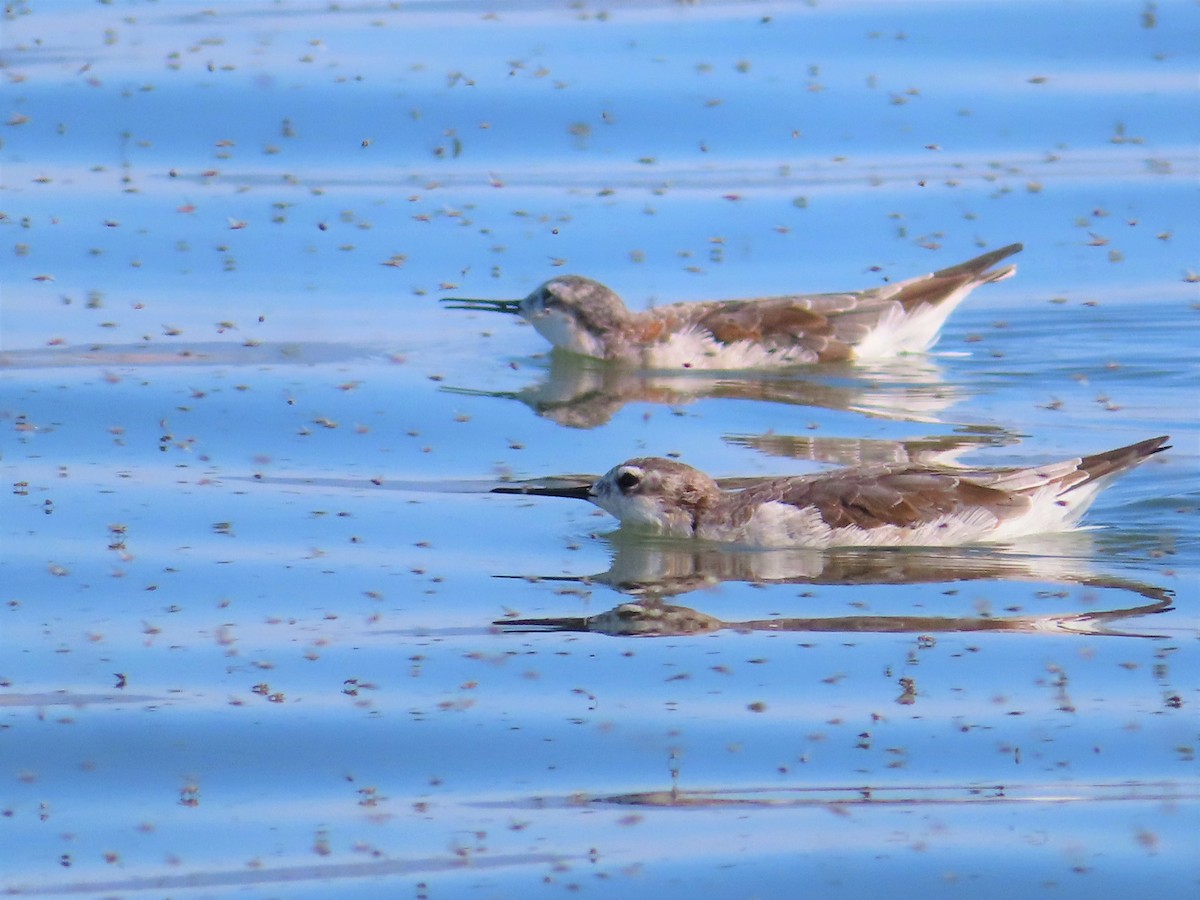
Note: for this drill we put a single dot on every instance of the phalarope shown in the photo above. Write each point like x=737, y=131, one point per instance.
x=875, y=506
x=583, y=316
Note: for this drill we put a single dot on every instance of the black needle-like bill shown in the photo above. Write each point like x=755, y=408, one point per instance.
x=512, y=307
x=574, y=492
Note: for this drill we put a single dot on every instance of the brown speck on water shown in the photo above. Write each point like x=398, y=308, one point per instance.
x=189, y=795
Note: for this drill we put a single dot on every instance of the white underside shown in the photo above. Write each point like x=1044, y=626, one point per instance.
x=899, y=332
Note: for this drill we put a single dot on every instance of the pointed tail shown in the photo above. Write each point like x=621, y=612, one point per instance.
x=948, y=287
x=977, y=268
x=1114, y=462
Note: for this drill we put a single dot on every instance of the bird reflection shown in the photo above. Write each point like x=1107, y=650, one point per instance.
x=654, y=618
x=584, y=393
x=936, y=450
x=651, y=571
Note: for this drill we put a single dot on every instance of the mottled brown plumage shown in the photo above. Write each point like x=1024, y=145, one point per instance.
x=883, y=505
x=887, y=495
x=582, y=316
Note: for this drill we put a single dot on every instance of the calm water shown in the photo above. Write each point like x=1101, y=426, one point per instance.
x=250, y=567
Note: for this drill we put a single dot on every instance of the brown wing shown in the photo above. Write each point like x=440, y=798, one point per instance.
x=815, y=323
x=827, y=325
x=933, y=289
x=902, y=496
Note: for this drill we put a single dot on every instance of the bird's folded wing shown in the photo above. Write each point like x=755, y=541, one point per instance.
x=870, y=498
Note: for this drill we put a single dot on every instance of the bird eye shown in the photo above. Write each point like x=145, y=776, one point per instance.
x=627, y=481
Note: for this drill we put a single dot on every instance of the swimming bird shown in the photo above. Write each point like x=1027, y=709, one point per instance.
x=582, y=316
x=868, y=506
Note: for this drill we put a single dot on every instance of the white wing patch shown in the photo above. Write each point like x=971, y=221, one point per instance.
x=899, y=332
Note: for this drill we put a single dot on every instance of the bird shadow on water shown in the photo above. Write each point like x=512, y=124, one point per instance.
x=652, y=571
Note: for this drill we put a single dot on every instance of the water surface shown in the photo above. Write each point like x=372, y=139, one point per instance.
x=250, y=567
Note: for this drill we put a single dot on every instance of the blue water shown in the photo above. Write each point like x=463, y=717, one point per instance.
x=249, y=566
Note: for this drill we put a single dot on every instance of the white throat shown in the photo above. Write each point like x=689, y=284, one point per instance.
x=564, y=332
